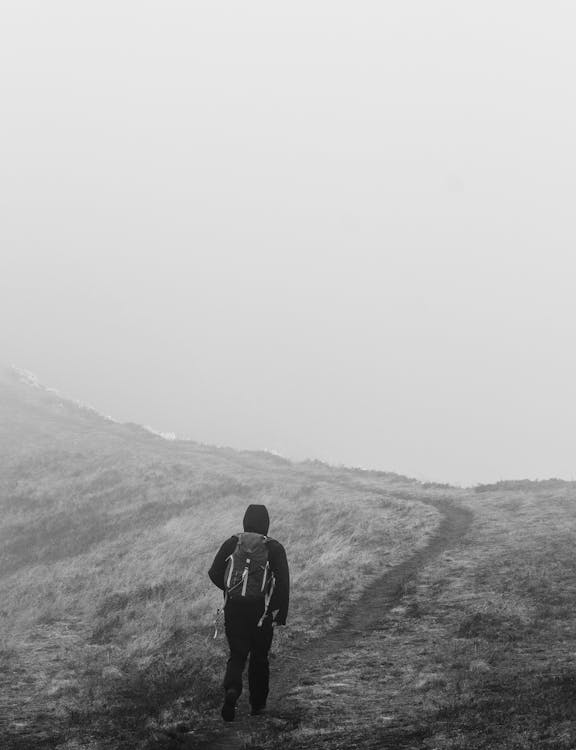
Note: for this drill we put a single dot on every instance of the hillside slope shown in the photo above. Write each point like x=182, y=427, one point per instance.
x=106, y=533
x=477, y=653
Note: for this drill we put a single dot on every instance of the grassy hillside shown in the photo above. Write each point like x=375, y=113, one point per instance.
x=106, y=612
x=106, y=534
x=478, y=654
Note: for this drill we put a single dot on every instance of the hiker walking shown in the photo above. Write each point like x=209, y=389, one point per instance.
x=252, y=570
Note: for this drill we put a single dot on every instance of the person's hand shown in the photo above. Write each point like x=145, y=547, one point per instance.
x=278, y=623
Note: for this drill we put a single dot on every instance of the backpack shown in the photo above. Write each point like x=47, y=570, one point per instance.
x=248, y=575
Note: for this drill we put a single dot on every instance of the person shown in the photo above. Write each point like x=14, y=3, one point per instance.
x=249, y=621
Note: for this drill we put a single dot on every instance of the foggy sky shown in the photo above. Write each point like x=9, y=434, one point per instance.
x=341, y=230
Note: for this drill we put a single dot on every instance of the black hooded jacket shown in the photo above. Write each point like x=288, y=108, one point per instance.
x=256, y=519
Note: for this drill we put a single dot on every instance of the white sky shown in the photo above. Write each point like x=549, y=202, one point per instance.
x=342, y=230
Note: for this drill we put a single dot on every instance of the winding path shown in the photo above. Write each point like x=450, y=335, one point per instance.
x=367, y=614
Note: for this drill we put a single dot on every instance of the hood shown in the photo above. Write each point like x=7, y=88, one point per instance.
x=256, y=519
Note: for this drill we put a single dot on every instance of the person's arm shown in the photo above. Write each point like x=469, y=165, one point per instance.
x=281, y=596
x=218, y=567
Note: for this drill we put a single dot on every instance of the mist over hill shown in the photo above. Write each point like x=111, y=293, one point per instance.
x=106, y=612
x=106, y=533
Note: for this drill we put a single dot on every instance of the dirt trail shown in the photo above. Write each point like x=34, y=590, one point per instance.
x=367, y=614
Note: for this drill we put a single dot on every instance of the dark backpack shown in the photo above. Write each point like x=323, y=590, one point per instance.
x=248, y=575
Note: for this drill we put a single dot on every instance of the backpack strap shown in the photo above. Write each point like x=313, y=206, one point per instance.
x=267, y=600
x=229, y=580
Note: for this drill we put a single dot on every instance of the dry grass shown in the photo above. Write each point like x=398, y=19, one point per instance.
x=139, y=609
x=106, y=536
x=106, y=533
x=479, y=654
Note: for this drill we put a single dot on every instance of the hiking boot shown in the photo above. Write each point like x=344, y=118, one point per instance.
x=229, y=708
x=258, y=710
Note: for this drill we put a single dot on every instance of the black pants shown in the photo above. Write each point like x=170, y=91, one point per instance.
x=245, y=639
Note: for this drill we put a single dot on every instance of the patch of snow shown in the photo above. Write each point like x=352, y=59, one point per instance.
x=163, y=435
x=27, y=377
x=273, y=452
